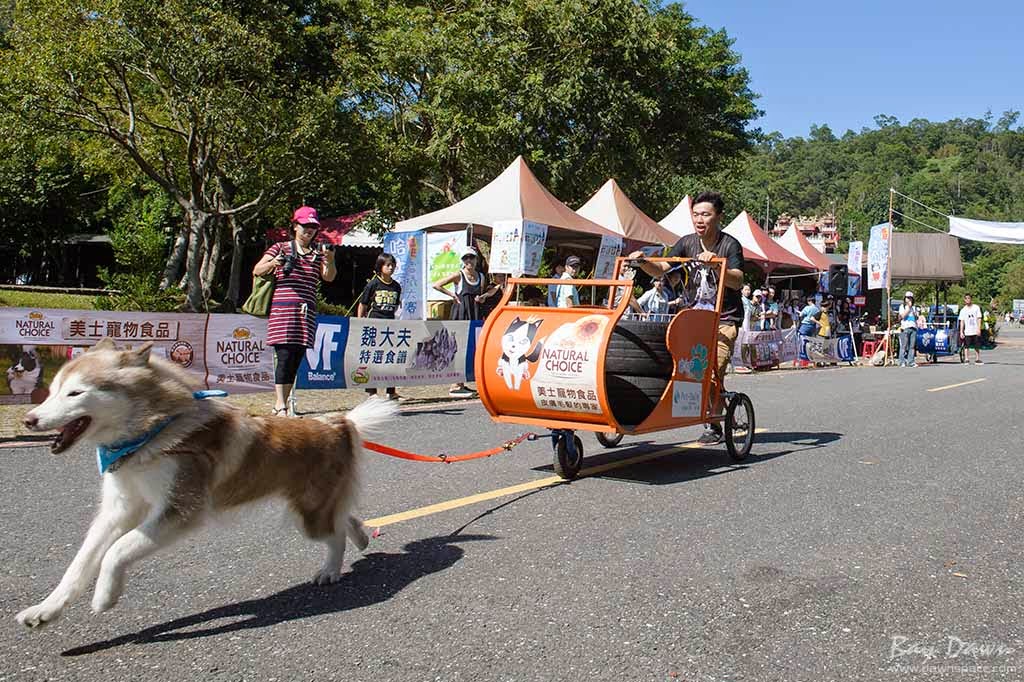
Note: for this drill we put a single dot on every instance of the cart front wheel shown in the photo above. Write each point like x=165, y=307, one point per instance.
x=739, y=426
x=609, y=439
x=567, y=464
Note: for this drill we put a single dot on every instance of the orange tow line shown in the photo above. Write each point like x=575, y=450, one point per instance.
x=444, y=458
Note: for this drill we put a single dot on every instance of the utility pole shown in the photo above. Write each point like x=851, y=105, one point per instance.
x=767, y=210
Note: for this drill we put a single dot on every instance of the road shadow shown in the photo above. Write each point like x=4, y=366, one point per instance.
x=372, y=579
x=695, y=463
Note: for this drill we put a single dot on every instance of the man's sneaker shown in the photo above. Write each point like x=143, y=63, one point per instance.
x=712, y=435
x=978, y=362
x=461, y=392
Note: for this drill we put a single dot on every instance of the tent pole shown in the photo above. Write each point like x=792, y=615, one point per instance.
x=888, y=288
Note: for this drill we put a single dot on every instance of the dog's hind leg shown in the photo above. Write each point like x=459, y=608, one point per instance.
x=118, y=513
x=356, y=532
x=345, y=526
x=161, y=529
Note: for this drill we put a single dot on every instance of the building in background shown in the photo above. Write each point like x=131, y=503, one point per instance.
x=820, y=231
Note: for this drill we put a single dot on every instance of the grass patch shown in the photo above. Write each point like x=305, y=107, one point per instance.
x=35, y=299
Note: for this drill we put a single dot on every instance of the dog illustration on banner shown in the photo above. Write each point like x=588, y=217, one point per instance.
x=513, y=365
x=26, y=375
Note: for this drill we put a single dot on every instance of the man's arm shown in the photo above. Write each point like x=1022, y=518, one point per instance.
x=654, y=269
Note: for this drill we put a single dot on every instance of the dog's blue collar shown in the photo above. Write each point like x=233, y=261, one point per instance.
x=108, y=455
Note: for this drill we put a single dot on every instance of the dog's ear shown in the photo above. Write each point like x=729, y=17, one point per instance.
x=106, y=343
x=139, y=357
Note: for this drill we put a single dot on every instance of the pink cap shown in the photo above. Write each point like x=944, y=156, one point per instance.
x=305, y=215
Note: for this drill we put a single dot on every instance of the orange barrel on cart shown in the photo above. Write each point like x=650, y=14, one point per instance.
x=592, y=368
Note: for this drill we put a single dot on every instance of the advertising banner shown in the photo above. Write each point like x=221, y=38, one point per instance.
x=365, y=353
x=238, y=358
x=611, y=248
x=535, y=235
x=35, y=343
x=818, y=349
x=409, y=250
x=855, y=257
x=507, y=247
x=878, y=256
x=444, y=258
x=517, y=247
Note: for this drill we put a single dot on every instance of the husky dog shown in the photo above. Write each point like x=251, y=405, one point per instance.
x=515, y=344
x=184, y=459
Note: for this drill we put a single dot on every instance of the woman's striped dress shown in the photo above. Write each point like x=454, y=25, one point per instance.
x=293, y=307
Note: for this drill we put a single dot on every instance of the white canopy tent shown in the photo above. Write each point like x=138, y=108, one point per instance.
x=516, y=194
x=612, y=209
x=680, y=220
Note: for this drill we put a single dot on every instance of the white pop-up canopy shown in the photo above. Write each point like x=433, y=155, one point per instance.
x=611, y=208
x=516, y=194
x=796, y=243
x=680, y=220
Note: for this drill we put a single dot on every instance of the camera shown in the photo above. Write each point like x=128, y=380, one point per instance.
x=289, y=264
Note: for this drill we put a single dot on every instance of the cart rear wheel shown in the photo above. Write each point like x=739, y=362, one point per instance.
x=609, y=439
x=567, y=465
x=739, y=426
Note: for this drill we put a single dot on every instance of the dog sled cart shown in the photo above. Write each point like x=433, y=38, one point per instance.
x=601, y=368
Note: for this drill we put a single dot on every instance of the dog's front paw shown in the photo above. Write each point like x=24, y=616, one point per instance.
x=40, y=615
x=327, y=576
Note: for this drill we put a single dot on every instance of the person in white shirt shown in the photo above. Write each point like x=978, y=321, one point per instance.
x=908, y=330
x=567, y=296
x=970, y=328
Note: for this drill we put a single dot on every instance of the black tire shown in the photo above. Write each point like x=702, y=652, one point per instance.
x=610, y=439
x=739, y=426
x=567, y=466
x=633, y=398
x=638, y=348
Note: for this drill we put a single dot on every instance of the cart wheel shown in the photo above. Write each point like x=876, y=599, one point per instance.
x=739, y=426
x=566, y=465
x=609, y=439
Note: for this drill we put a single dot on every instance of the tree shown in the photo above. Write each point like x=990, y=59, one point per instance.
x=223, y=106
x=585, y=91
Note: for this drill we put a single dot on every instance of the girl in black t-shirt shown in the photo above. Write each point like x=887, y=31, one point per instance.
x=380, y=300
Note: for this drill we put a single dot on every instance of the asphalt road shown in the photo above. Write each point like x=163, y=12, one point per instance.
x=872, y=510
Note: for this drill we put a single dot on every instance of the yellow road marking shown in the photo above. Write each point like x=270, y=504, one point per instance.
x=524, y=487
x=962, y=383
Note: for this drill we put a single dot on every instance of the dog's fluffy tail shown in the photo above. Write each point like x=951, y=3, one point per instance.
x=369, y=418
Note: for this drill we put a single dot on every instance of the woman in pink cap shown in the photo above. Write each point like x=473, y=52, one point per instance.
x=298, y=267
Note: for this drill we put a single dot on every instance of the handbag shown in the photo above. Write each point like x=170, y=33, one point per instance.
x=258, y=303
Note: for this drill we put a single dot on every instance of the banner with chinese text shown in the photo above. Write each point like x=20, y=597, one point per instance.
x=365, y=352
x=409, y=250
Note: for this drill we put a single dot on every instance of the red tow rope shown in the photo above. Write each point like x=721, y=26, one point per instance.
x=443, y=458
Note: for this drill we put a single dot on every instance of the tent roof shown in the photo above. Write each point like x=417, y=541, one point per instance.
x=515, y=194
x=680, y=220
x=796, y=243
x=611, y=208
x=340, y=231
x=925, y=257
x=760, y=248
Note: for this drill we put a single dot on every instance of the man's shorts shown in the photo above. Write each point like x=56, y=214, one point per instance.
x=973, y=341
x=727, y=332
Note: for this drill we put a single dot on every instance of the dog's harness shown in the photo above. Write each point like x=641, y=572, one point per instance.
x=108, y=457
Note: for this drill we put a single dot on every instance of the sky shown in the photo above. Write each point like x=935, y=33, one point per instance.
x=842, y=62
